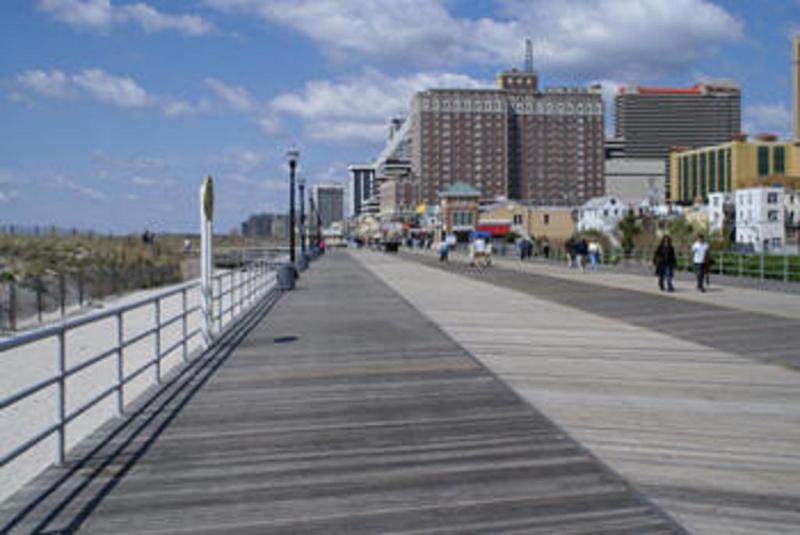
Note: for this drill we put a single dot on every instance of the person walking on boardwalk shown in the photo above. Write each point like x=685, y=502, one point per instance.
x=664, y=261
x=444, y=249
x=581, y=250
x=699, y=252
x=594, y=255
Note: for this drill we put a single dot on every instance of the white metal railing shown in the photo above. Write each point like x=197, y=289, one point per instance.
x=234, y=293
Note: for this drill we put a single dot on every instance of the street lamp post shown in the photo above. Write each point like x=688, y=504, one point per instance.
x=292, y=155
x=302, y=184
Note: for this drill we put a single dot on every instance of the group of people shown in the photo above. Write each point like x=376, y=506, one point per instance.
x=578, y=251
x=665, y=262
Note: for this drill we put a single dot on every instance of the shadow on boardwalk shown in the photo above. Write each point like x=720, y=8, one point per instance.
x=93, y=469
x=346, y=411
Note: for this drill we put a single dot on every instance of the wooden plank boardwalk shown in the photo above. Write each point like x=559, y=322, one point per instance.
x=342, y=411
x=696, y=404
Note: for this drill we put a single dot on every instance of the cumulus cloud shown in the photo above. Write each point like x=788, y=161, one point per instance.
x=357, y=109
x=100, y=85
x=772, y=118
x=53, y=84
x=116, y=90
x=102, y=15
x=86, y=191
x=593, y=38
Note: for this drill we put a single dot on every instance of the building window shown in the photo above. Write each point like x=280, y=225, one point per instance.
x=694, y=178
x=776, y=242
x=684, y=192
x=772, y=215
x=517, y=219
x=763, y=161
x=703, y=175
x=728, y=169
x=779, y=160
x=546, y=219
x=712, y=173
x=772, y=198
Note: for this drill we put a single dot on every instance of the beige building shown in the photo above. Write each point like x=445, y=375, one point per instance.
x=555, y=223
x=731, y=166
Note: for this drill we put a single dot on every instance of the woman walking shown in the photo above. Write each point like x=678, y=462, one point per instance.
x=665, y=262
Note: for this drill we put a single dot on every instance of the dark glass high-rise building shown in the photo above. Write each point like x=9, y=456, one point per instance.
x=653, y=120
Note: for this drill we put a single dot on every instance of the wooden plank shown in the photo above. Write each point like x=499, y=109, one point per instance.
x=346, y=411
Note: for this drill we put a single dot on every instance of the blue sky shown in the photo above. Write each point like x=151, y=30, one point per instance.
x=113, y=111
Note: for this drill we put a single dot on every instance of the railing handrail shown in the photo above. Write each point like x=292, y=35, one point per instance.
x=254, y=282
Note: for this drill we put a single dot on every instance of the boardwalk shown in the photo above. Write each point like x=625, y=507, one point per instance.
x=696, y=403
x=342, y=411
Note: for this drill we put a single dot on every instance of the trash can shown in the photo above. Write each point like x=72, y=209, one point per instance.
x=286, y=276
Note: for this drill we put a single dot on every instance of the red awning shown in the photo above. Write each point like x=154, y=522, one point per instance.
x=496, y=230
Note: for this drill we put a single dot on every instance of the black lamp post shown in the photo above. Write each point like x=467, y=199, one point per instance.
x=302, y=184
x=292, y=155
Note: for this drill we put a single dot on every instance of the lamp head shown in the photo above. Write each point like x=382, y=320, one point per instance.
x=292, y=155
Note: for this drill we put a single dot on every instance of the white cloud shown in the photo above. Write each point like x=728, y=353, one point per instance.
x=117, y=90
x=8, y=195
x=86, y=191
x=239, y=100
x=772, y=118
x=178, y=108
x=101, y=16
x=244, y=159
x=592, y=38
x=53, y=84
x=357, y=109
x=234, y=97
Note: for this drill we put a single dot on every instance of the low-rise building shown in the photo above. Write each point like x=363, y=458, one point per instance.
x=555, y=224
x=760, y=219
x=721, y=212
x=728, y=167
x=459, y=208
x=602, y=214
x=636, y=180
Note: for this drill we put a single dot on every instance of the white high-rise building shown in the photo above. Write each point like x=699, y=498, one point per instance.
x=796, y=86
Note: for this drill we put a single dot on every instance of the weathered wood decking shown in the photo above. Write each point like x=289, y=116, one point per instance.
x=342, y=411
x=696, y=403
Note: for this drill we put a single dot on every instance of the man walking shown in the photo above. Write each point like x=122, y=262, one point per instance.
x=699, y=252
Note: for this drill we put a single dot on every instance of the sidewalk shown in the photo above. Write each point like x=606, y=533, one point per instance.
x=710, y=435
x=346, y=411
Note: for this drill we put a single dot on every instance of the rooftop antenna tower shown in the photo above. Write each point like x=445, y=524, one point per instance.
x=528, y=55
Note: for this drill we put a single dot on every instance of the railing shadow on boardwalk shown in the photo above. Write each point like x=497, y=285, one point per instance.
x=82, y=486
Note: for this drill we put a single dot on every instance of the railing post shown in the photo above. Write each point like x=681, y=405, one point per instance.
x=184, y=326
x=120, y=365
x=785, y=268
x=157, y=311
x=721, y=260
x=761, y=266
x=219, y=304
x=61, y=409
x=740, y=263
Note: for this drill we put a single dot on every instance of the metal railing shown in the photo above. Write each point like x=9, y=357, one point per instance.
x=234, y=293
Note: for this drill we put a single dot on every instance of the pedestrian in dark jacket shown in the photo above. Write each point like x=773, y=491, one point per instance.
x=664, y=261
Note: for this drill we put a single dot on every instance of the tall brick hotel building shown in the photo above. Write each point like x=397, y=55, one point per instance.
x=543, y=147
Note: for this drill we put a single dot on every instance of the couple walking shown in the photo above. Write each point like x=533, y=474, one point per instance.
x=665, y=261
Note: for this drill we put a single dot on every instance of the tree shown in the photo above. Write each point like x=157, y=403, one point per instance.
x=629, y=228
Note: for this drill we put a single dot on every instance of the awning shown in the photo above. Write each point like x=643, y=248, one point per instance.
x=495, y=230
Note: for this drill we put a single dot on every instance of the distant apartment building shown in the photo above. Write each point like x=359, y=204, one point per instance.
x=653, y=120
x=362, y=179
x=329, y=203
x=266, y=226
x=514, y=141
x=760, y=218
x=728, y=167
